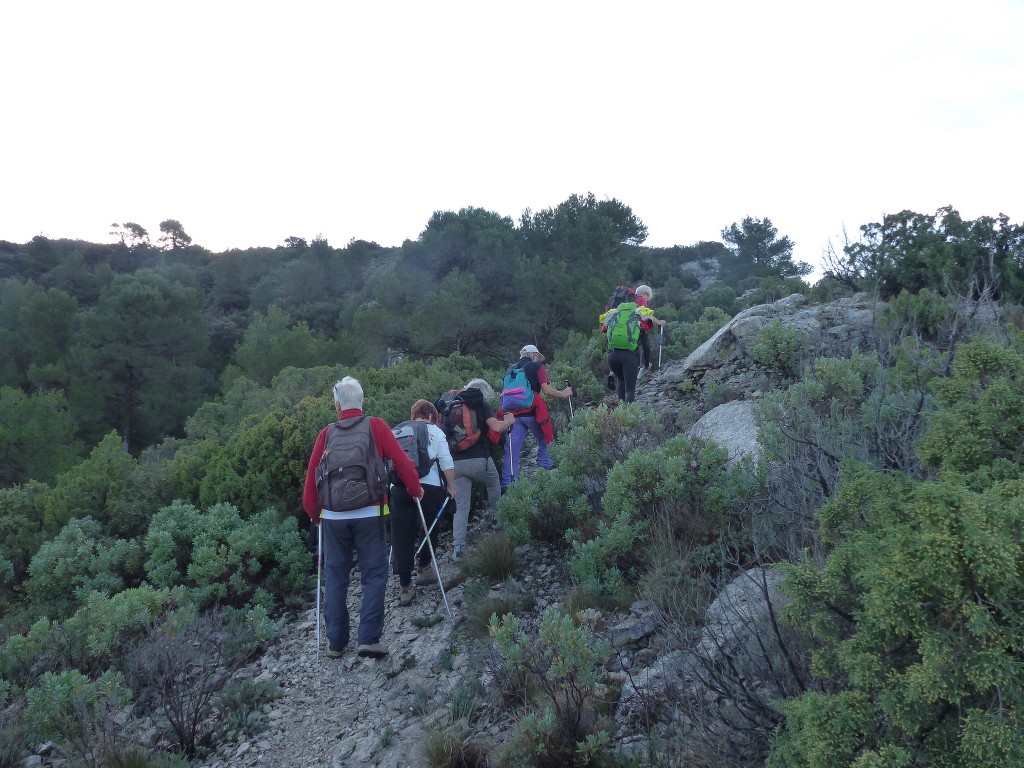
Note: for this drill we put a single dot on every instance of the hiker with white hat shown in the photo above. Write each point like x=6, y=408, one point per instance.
x=525, y=381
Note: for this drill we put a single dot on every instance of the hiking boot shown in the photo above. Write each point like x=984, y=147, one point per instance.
x=372, y=650
x=457, y=554
x=425, y=575
x=406, y=595
x=333, y=654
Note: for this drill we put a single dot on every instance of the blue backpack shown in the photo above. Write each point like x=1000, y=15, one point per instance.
x=516, y=392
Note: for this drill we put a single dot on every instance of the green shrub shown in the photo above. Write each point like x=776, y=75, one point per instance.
x=779, y=347
x=601, y=437
x=93, y=488
x=841, y=410
x=223, y=559
x=924, y=314
x=685, y=481
x=583, y=362
x=23, y=656
x=917, y=612
x=77, y=561
x=541, y=511
x=688, y=336
x=980, y=422
x=493, y=557
x=598, y=563
x=716, y=294
x=21, y=533
x=563, y=663
x=482, y=602
x=78, y=713
x=766, y=290
x=104, y=628
x=241, y=704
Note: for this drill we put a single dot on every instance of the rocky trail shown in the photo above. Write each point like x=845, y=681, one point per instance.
x=363, y=712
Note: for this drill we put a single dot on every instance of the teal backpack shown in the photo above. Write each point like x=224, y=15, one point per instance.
x=623, y=327
x=516, y=392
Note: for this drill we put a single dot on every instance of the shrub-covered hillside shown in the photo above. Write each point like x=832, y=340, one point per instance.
x=158, y=406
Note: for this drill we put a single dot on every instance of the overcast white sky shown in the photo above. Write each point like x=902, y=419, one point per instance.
x=250, y=122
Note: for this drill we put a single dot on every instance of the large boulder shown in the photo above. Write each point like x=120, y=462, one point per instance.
x=831, y=330
x=730, y=426
x=716, y=694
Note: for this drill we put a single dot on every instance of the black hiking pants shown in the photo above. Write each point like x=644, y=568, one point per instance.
x=625, y=364
x=645, y=345
x=407, y=528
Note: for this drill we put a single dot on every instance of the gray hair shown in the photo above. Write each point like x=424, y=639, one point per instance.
x=348, y=393
x=483, y=386
x=645, y=290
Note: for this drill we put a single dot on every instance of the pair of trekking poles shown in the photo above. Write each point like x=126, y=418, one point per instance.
x=426, y=540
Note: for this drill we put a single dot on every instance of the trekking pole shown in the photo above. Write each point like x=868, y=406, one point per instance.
x=569, y=385
x=509, y=457
x=433, y=557
x=436, y=518
x=319, y=554
x=661, y=341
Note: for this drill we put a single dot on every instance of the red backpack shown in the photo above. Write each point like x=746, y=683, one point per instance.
x=458, y=417
x=622, y=293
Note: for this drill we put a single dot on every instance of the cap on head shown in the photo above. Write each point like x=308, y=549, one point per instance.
x=529, y=351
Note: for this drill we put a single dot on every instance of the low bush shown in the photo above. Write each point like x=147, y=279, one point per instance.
x=180, y=666
x=76, y=562
x=241, y=704
x=225, y=560
x=482, y=602
x=599, y=439
x=542, y=511
x=493, y=557
x=79, y=714
x=780, y=348
x=563, y=664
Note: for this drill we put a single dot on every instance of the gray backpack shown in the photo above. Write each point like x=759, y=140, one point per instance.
x=351, y=474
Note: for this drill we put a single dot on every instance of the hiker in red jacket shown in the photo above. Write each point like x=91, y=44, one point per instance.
x=644, y=294
x=361, y=528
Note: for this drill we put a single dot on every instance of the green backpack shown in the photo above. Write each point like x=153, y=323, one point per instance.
x=623, y=327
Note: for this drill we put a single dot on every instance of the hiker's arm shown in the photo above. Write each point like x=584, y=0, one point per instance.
x=449, y=479
x=547, y=389
x=648, y=314
x=310, y=502
x=501, y=426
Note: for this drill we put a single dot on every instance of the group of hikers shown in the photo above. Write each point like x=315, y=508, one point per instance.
x=361, y=472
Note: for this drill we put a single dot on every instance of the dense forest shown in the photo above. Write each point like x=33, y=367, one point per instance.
x=158, y=401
